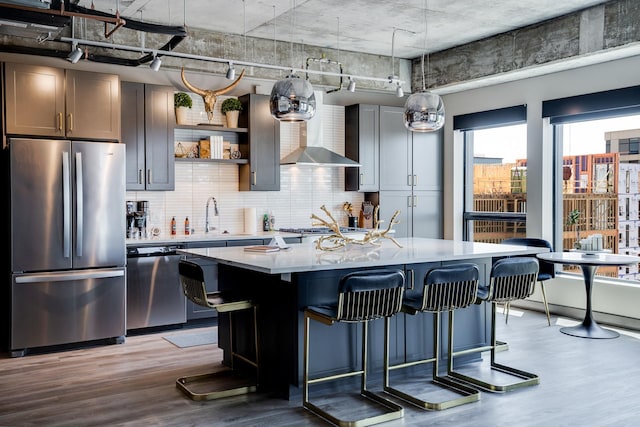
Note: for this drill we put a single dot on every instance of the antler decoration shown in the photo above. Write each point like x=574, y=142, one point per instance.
x=338, y=240
x=209, y=96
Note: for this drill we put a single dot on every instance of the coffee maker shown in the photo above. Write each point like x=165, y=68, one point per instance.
x=137, y=217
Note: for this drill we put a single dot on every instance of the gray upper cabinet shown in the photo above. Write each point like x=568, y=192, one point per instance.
x=261, y=145
x=47, y=101
x=412, y=160
x=362, y=142
x=148, y=123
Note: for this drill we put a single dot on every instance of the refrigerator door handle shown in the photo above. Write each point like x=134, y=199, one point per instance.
x=79, y=205
x=62, y=277
x=66, y=206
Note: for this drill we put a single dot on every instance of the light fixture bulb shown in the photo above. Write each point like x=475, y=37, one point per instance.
x=156, y=63
x=231, y=72
x=399, y=91
x=352, y=85
x=424, y=112
x=75, y=55
x=292, y=99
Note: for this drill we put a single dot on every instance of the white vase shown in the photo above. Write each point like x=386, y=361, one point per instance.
x=181, y=115
x=232, y=118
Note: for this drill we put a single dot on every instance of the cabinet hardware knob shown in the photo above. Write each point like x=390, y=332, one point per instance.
x=60, y=122
x=253, y=177
x=149, y=176
x=70, y=122
x=139, y=176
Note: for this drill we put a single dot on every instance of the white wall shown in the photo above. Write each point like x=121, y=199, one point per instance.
x=532, y=92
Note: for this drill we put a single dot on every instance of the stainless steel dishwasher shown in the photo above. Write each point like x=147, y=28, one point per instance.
x=154, y=293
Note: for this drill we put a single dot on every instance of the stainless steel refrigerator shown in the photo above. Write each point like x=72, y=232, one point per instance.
x=68, y=252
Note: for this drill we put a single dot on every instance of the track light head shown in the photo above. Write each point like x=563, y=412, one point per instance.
x=231, y=72
x=352, y=85
x=75, y=54
x=155, y=64
x=399, y=91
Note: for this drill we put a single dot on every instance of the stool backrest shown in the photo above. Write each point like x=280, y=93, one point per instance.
x=449, y=288
x=546, y=269
x=192, y=280
x=513, y=279
x=370, y=294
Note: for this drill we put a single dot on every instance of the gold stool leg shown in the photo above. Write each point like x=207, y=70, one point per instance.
x=546, y=305
x=526, y=378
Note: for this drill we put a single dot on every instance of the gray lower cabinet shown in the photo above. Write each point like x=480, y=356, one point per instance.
x=148, y=123
x=420, y=212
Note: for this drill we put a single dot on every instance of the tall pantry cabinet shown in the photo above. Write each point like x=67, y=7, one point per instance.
x=406, y=168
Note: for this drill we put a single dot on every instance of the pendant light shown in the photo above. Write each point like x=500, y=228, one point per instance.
x=424, y=110
x=292, y=98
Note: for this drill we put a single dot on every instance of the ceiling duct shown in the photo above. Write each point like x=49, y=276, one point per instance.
x=30, y=22
x=311, y=152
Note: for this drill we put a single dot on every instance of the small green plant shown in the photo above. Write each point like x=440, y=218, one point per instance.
x=182, y=99
x=231, y=104
x=573, y=217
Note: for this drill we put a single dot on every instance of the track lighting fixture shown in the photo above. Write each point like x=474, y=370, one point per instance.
x=352, y=85
x=75, y=55
x=156, y=63
x=231, y=72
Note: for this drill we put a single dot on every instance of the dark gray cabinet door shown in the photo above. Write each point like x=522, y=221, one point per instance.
x=147, y=130
x=362, y=144
x=159, y=120
x=133, y=133
x=261, y=145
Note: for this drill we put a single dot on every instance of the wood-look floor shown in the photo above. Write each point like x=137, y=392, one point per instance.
x=583, y=383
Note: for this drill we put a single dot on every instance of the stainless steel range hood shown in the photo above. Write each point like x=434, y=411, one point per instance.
x=311, y=151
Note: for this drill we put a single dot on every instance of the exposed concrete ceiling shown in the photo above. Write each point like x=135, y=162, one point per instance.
x=355, y=25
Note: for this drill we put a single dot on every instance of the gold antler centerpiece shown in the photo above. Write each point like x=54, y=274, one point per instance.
x=210, y=96
x=338, y=240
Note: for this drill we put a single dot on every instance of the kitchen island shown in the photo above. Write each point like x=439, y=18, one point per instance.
x=283, y=283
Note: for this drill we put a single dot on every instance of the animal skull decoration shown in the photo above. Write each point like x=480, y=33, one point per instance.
x=209, y=96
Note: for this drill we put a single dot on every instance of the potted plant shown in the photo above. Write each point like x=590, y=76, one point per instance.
x=182, y=101
x=572, y=221
x=231, y=108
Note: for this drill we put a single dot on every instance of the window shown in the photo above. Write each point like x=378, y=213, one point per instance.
x=597, y=139
x=496, y=174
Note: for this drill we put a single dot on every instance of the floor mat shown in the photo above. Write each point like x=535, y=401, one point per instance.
x=192, y=339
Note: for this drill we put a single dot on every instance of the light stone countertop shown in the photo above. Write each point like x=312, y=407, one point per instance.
x=305, y=257
x=202, y=237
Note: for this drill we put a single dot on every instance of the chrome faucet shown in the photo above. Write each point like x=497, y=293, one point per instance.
x=207, y=227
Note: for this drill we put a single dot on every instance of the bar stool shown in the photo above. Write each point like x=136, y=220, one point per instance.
x=547, y=269
x=511, y=279
x=227, y=382
x=362, y=297
x=445, y=290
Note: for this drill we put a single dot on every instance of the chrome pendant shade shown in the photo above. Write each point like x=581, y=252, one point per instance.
x=424, y=112
x=292, y=99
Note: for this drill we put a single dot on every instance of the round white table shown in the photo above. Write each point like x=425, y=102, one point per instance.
x=589, y=263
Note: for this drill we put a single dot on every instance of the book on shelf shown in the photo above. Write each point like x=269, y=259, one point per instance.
x=261, y=248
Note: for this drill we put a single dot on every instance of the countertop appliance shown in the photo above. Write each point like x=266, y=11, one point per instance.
x=154, y=293
x=68, y=253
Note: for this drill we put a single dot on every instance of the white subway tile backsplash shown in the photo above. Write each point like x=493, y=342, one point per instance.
x=303, y=189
